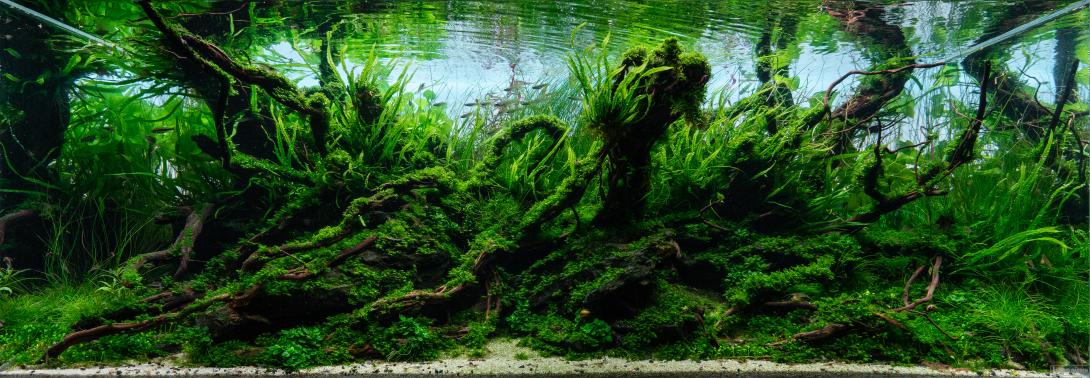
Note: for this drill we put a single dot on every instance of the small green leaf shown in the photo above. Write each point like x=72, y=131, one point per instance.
x=72, y=62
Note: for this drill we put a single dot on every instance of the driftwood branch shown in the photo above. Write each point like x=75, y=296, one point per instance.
x=182, y=247
x=14, y=217
x=708, y=222
x=194, y=224
x=792, y=304
x=101, y=331
x=351, y=251
x=841, y=79
x=935, y=324
x=1064, y=96
x=217, y=61
x=962, y=154
x=930, y=287
x=908, y=284
x=891, y=320
x=829, y=330
x=302, y=273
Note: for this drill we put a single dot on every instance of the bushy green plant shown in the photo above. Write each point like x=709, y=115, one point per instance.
x=298, y=348
x=410, y=339
x=631, y=107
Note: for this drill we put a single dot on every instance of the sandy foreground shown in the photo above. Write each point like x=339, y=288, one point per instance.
x=502, y=362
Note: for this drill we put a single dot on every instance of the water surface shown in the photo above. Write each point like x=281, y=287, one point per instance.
x=466, y=48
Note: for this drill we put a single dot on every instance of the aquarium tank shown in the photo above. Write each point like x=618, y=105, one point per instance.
x=320, y=183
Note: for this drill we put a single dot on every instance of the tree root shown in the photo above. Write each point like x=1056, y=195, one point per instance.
x=909, y=306
x=352, y=251
x=194, y=224
x=182, y=247
x=791, y=304
x=387, y=196
x=708, y=222
x=846, y=113
x=257, y=260
x=301, y=273
x=387, y=308
x=935, y=324
x=101, y=331
x=829, y=330
x=489, y=295
x=171, y=300
x=963, y=153
x=885, y=207
x=415, y=301
x=834, y=329
x=184, y=304
x=891, y=321
x=384, y=309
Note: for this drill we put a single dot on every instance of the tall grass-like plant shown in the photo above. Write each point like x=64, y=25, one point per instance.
x=12, y=281
x=613, y=97
x=1013, y=246
x=1011, y=316
x=1008, y=207
x=392, y=125
x=285, y=137
x=128, y=156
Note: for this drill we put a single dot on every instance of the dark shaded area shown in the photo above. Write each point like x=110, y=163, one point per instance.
x=38, y=104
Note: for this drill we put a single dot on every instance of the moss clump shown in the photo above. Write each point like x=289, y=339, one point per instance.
x=669, y=85
x=409, y=339
x=778, y=264
x=553, y=334
x=676, y=313
x=368, y=103
x=300, y=347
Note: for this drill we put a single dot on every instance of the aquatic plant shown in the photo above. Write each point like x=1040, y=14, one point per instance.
x=631, y=108
x=222, y=210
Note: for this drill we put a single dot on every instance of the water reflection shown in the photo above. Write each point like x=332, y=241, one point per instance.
x=470, y=47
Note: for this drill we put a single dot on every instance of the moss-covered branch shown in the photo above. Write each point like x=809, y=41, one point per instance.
x=218, y=62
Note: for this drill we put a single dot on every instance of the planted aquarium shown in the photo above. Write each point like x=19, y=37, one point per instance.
x=625, y=187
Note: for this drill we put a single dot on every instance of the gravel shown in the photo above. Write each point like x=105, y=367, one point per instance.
x=506, y=359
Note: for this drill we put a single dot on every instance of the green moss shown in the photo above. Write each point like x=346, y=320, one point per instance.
x=299, y=347
x=776, y=264
x=676, y=313
x=549, y=125
x=24, y=343
x=116, y=348
x=409, y=339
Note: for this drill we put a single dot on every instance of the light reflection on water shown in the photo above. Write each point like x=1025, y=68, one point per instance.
x=464, y=49
x=467, y=49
